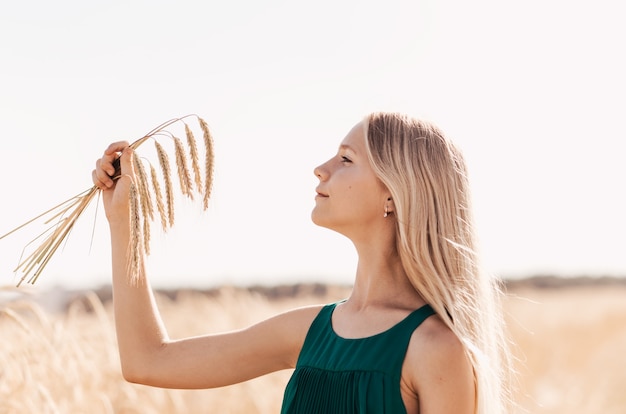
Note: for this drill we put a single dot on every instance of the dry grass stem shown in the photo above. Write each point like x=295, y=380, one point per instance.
x=568, y=361
x=38, y=260
x=64, y=215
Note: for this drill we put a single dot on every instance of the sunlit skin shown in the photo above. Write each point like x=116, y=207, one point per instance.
x=350, y=198
x=436, y=375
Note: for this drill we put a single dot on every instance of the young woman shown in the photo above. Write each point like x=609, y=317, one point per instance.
x=421, y=331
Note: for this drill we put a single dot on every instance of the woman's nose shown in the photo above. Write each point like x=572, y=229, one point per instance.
x=320, y=172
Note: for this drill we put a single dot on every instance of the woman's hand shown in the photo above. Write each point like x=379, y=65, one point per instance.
x=115, y=188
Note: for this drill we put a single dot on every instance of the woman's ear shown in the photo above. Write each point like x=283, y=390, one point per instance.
x=389, y=207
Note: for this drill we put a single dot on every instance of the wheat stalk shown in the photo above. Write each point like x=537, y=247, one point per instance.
x=184, y=175
x=144, y=200
x=147, y=208
x=136, y=240
x=64, y=215
x=164, y=161
x=195, y=159
x=158, y=195
x=209, y=160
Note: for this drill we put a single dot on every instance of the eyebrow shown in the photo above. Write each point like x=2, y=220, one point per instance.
x=347, y=147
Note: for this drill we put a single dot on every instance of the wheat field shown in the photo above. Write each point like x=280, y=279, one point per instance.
x=570, y=343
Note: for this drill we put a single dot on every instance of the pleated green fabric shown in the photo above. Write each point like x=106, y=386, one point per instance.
x=335, y=375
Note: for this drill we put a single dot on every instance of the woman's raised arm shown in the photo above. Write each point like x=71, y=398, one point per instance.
x=147, y=354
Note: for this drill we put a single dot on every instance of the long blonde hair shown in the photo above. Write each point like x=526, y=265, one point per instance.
x=427, y=178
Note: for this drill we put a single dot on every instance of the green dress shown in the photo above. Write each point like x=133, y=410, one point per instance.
x=335, y=375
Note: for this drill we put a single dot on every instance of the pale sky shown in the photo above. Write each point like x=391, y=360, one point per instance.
x=533, y=92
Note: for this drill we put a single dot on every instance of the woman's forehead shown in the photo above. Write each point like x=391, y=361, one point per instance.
x=355, y=140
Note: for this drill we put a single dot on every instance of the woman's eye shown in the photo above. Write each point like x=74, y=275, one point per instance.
x=345, y=159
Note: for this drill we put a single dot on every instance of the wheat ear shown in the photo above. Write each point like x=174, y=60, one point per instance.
x=140, y=200
x=135, y=254
x=184, y=176
x=195, y=159
x=145, y=200
x=143, y=187
x=158, y=195
x=167, y=178
x=209, y=159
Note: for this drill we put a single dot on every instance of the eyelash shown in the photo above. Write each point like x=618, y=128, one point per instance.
x=345, y=159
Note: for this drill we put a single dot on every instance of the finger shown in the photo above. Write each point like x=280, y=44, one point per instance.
x=96, y=180
x=111, y=154
x=127, y=169
x=100, y=176
x=116, y=147
x=126, y=162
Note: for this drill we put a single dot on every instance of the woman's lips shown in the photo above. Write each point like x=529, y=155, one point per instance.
x=320, y=195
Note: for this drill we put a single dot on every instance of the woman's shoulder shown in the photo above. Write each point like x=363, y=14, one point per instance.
x=301, y=316
x=434, y=343
x=437, y=363
x=292, y=326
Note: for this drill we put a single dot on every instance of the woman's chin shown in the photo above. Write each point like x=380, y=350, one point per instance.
x=315, y=218
x=318, y=220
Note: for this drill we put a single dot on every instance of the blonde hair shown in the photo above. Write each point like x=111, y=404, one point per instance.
x=427, y=178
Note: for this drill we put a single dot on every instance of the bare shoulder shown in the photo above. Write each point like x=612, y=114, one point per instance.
x=297, y=319
x=434, y=339
x=292, y=326
x=438, y=370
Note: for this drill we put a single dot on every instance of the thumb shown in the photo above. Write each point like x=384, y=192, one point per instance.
x=124, y=168
x=126, y=162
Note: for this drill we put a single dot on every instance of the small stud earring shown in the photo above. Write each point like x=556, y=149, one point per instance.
x=386, y=212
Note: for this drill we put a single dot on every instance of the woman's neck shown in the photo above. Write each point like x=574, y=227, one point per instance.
x=381, y=281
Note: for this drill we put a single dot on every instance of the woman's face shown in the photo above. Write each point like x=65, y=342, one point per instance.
x=349, y=196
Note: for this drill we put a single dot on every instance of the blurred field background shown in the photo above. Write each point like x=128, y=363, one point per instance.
x=58, y=352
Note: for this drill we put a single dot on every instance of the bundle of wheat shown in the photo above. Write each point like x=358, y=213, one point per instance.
x=144, y=193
